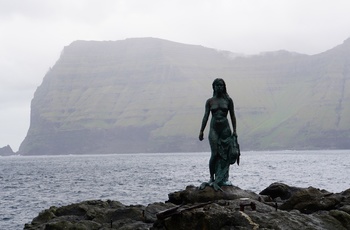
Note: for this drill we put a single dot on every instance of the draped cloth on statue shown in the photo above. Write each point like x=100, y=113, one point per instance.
x=228, y=153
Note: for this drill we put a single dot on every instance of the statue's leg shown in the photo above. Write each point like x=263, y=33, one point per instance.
x=212, y=161
x=221, y=170
x=223, y=163
x=225, y=181
x=213, y=141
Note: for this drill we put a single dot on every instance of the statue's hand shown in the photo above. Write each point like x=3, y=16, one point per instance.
x=201, y=136
x=234, y=133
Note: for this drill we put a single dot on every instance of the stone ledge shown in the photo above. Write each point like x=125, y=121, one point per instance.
x=279, y=206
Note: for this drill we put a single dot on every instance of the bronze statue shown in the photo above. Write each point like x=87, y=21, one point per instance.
x=223, y=142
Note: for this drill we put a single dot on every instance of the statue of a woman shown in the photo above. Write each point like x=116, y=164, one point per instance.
x=223, y=142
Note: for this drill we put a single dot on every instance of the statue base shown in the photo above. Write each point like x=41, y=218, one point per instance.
x=193, y=194
x=215, y=185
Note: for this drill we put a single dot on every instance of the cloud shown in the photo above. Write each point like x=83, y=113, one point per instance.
x=84, y=11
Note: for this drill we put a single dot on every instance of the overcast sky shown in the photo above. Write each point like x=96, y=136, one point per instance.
x=34, y=32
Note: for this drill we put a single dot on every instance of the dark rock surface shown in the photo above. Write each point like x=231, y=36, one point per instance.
x=277, y=207
x=97, y=214
x=280, y=190
x=194, y=195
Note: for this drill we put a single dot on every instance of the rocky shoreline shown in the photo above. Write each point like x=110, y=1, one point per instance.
x=279, y=206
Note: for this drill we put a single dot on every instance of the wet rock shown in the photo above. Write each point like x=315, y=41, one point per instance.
x=151, y=211
x=193, y=194
x=44, y=216
x=95, y=214
x=345, y=208
x=227, y=215
x=192, y=208
x=311, y=200
x=280, y=190
x=216, y=215
x=342, y=217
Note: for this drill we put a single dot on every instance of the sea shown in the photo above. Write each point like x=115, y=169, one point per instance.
x=31, y=184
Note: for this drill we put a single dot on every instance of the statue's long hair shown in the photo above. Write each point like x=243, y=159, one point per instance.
x=225, y=94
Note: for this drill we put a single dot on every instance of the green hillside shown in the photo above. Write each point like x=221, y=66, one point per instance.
x=148, y=95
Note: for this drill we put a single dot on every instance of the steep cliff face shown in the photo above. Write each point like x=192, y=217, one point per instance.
x=148, y=95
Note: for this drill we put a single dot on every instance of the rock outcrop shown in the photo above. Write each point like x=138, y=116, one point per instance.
x=278, y=207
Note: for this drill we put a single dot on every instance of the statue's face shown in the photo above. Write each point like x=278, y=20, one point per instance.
x=219, y=87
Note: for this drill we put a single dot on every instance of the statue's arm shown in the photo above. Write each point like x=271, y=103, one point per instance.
x=232, y=115
x=205, y=120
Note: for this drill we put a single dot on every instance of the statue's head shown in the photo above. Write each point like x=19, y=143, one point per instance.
x=219, y=81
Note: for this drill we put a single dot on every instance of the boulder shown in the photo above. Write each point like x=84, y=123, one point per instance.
x=193, y=194
x=311, y=200
x=94, y=214
x=280, y=190
x=193, y=208
x=227, y=215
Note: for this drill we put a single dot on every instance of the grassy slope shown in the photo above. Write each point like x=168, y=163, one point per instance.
x=282, y=100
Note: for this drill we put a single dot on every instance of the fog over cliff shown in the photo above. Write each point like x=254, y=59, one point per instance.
x=148, y=95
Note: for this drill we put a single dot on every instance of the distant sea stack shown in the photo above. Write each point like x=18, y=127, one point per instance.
x=6, y=151
x=147, y=95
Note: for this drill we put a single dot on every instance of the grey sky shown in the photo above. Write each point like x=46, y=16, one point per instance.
x=34, y=32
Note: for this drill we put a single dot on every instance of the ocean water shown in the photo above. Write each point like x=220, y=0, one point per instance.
x=29, y=185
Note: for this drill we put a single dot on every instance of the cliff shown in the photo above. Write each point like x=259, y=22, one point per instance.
x=148, y=95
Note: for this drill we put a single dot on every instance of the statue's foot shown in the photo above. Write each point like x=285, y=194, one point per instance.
x=213, y=184
x=203, y=185
x=216, y=187
x=227, y=183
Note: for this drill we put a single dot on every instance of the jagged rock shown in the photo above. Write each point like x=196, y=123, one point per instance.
x=95, y=214
x=342, y=217
x=346, y=196
x=309, y=208
x=345, y=208
x=152, y=209
x=217, y=215
x=226, y=215
x=279, y=190
x=193, y=194
x=311, y=200
x=192, y=208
